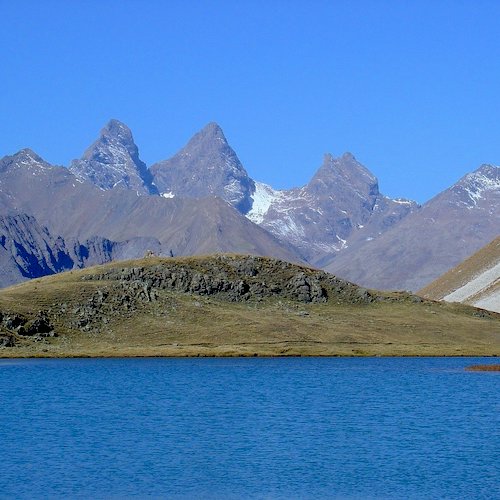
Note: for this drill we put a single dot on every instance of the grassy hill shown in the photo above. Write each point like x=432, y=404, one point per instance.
x=229, y=305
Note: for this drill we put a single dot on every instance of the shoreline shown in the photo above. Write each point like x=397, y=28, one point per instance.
x=121, y=355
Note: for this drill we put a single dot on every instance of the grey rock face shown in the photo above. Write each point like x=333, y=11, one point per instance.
x=341, y=202
x=28, y=250
x=231, y=278
x=112, y=162
x=206, y=166
x=14, y=326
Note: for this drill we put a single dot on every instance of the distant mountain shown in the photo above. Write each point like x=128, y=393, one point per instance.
x=202, y=200
x=427, y=243
x=476, y=281
x=341, y=202
x=80, y=210
x=28, y=250
x=112, y=162
x=206, y=166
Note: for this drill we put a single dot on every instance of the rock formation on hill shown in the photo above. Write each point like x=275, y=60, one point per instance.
x=229, y=305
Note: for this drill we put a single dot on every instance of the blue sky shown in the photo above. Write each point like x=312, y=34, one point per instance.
x=411, y=88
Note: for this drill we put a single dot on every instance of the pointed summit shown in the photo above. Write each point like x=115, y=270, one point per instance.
x=206, y=166
x=338, y=176
x=24, y=159
x=473, y=189
x=112, y=162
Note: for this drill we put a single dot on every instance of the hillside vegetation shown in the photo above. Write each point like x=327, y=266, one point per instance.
x=229, y=305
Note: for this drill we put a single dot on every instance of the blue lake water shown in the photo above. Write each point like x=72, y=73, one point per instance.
x=348, y=428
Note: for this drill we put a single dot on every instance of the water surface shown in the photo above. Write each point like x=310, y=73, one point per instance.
x=249, y=428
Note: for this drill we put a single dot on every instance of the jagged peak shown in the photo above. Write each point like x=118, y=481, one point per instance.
x=117, y=129
x=348, y=156
x=211, y=132
x=485, y=178
x=114, y=133
x=112, y=161
x=345, y=164
x=25, y=158
x=28, y=154
x=488, y=170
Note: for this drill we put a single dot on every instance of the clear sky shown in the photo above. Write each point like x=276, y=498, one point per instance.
x=411, y=88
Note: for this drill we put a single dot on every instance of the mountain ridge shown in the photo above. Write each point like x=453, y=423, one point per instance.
x=203, y=200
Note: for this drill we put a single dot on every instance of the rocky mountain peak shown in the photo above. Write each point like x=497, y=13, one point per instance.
x=23, y=159
x=344, y=173
x=210, y=131
x=28, y=154
x=116, y=132
x=112, y=162
x=206, y=166
x=474, y=188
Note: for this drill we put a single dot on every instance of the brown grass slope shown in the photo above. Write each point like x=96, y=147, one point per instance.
x=462, y=274
x=229, y=305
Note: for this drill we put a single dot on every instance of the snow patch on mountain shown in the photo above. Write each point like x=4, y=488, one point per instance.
x=403, y=201
x=287, y=227
x=483, y=180
x=262, y=199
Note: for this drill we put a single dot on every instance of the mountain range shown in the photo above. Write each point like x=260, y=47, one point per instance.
x=108, y=205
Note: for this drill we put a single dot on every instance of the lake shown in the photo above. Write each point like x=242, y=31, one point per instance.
x=347, y=428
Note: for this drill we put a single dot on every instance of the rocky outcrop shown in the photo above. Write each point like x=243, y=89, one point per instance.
x=106, y=298
x=15, y=327
x=230, y=278
x=123, y=290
